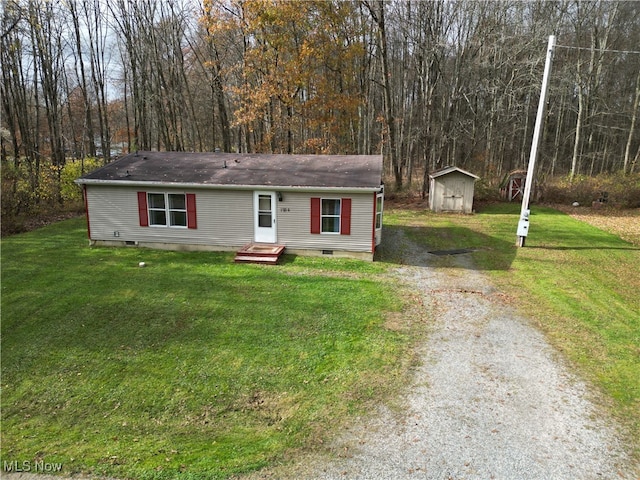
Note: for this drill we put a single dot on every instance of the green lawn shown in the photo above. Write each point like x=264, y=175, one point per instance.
x=578, y=283
x=195, y=367
x=192, y=367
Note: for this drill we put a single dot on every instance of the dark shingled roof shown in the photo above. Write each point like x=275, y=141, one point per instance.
x=230, y=169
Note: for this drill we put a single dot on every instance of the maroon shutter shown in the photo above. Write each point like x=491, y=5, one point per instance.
x=315, y=215
x=192, y=221
x=345, y=216
x=142, y=209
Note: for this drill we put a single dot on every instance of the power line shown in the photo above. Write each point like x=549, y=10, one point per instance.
x=599, y=49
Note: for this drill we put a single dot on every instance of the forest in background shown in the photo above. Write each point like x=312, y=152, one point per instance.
x=426, y=83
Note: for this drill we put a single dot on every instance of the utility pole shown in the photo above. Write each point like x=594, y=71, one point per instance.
x=523, y=223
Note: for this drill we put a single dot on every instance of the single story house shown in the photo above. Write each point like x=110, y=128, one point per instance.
x=451, y=189
x=310, y=204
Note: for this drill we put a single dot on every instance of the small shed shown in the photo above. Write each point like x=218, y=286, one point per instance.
x=451, y=190
x=512, y=186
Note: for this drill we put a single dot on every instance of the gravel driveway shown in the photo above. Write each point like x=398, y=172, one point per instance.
x=491, y=399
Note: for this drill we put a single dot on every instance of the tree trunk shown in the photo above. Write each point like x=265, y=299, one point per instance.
x=634, y=116
x=89, y=146
x=579, y=120
x=378, y=16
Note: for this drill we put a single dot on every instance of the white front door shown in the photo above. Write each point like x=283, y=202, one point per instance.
x=264, y=207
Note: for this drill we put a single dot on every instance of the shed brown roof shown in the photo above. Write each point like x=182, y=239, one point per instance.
x=230, y=169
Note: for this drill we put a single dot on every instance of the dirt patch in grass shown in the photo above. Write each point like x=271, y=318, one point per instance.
x=624, y=223
x=406, y=202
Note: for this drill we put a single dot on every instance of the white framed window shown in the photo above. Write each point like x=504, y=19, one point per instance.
x=379, y=201
x=167, y=209
x=330, y=215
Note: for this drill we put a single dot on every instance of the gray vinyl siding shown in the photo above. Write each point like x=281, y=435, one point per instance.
x=225, y=218
x=294, y=223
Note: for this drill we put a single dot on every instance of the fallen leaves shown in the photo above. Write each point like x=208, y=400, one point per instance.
x=624, y=223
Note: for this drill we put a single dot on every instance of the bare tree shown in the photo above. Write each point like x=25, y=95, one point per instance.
x=89, y=146
x=634, y=116
x=377, y=10
x=428, y=83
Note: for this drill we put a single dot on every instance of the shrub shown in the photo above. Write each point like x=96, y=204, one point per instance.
x=26, y=196
x=484, y=191
x=623, y=190
x=69, y=191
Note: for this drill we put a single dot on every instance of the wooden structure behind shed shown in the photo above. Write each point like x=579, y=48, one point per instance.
x=451, y=190
x=512, y=186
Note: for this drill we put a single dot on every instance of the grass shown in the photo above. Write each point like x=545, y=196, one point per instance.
x=578, y=283
x=195, y=367
x=192, y=367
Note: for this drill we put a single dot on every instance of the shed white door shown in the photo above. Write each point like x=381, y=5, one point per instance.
x=453, y=197
x=264, y=207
